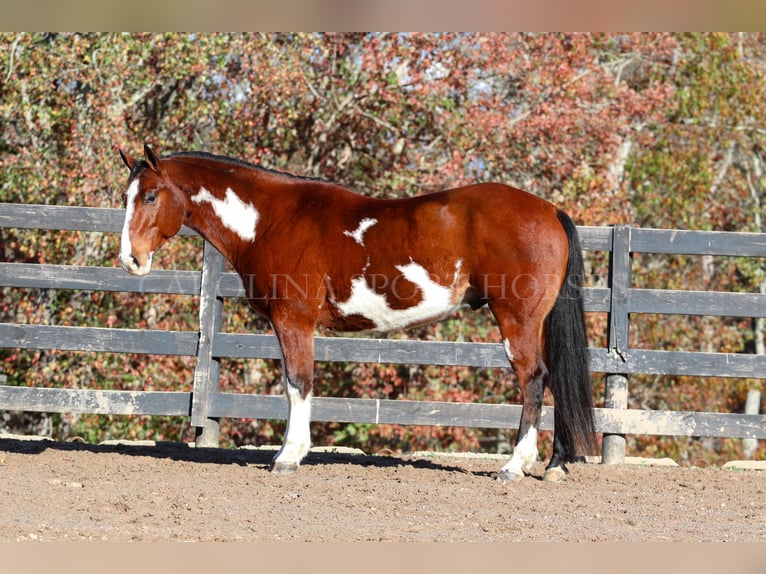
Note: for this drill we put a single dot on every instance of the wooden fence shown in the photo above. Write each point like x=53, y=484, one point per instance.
x=206, y=404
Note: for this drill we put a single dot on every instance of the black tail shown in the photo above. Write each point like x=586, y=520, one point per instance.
x=568, y=359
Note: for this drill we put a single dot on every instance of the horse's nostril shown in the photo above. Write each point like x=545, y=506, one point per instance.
x=134, y=261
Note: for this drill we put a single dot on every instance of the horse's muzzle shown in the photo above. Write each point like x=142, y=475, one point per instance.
x=134, y=265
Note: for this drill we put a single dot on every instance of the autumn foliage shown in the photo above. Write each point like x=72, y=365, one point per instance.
x=655, y=130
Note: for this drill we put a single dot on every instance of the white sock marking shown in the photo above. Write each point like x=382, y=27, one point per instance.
x=298, y=434
x=524, y=454
x=358, y=234
x=234, y=213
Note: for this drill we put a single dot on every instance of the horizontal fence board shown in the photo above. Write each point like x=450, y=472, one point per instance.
x=680, y=423
x=22, y=336
x=43, y=276
x=595, y=238
x=377, y=411
x=368, y=350
x=55, y=217
x=698, y=364
x=66, y=217
x=676, y=241
x=651, y=362
x=95, y=401
x=491, y=355
x=710, y=303
x=597, y=299
x=482, y=355
x=346, y=349
x=480, y=415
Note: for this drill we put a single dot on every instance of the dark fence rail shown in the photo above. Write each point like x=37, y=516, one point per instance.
x=206, y=404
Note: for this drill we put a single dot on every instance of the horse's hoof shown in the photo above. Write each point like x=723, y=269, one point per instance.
x=508, y=476
x=284, y=467
x=555, y=474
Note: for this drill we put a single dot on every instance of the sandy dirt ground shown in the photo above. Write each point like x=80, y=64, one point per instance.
x=53, y=491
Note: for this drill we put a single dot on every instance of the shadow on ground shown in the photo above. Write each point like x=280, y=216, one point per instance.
x=221, y=456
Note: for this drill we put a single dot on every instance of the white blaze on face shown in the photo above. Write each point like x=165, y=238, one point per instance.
x=436, y=301
x=358, y=234
x=234, y=213
x=126, y=249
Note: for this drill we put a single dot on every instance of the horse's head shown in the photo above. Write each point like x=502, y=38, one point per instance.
x=155, y=211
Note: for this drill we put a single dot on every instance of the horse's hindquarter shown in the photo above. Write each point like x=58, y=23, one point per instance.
x=515, y=232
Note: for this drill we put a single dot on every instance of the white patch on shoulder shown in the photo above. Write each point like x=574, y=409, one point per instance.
x=436, y=301
x=358, y=234
x=234, y=213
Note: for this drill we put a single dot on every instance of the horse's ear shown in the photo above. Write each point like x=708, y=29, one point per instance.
x=127, y=158
x=151, y=159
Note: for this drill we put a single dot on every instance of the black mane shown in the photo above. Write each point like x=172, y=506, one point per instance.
x=238, y=162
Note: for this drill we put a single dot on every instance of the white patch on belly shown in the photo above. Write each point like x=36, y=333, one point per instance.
x=436, y=302
x=234, y=213
x=358, y=234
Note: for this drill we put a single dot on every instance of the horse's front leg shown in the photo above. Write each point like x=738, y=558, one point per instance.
x=297, y=345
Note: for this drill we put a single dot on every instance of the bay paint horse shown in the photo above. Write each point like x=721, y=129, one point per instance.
x=381, y=265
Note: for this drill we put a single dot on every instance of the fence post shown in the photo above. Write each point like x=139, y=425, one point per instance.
x=616, y=392
x=752, y=406
x=207, y=370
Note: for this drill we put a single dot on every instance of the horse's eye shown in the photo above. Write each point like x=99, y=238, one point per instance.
x=150, y=197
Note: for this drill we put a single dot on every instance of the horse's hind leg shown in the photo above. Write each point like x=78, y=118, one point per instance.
x=523, y=347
